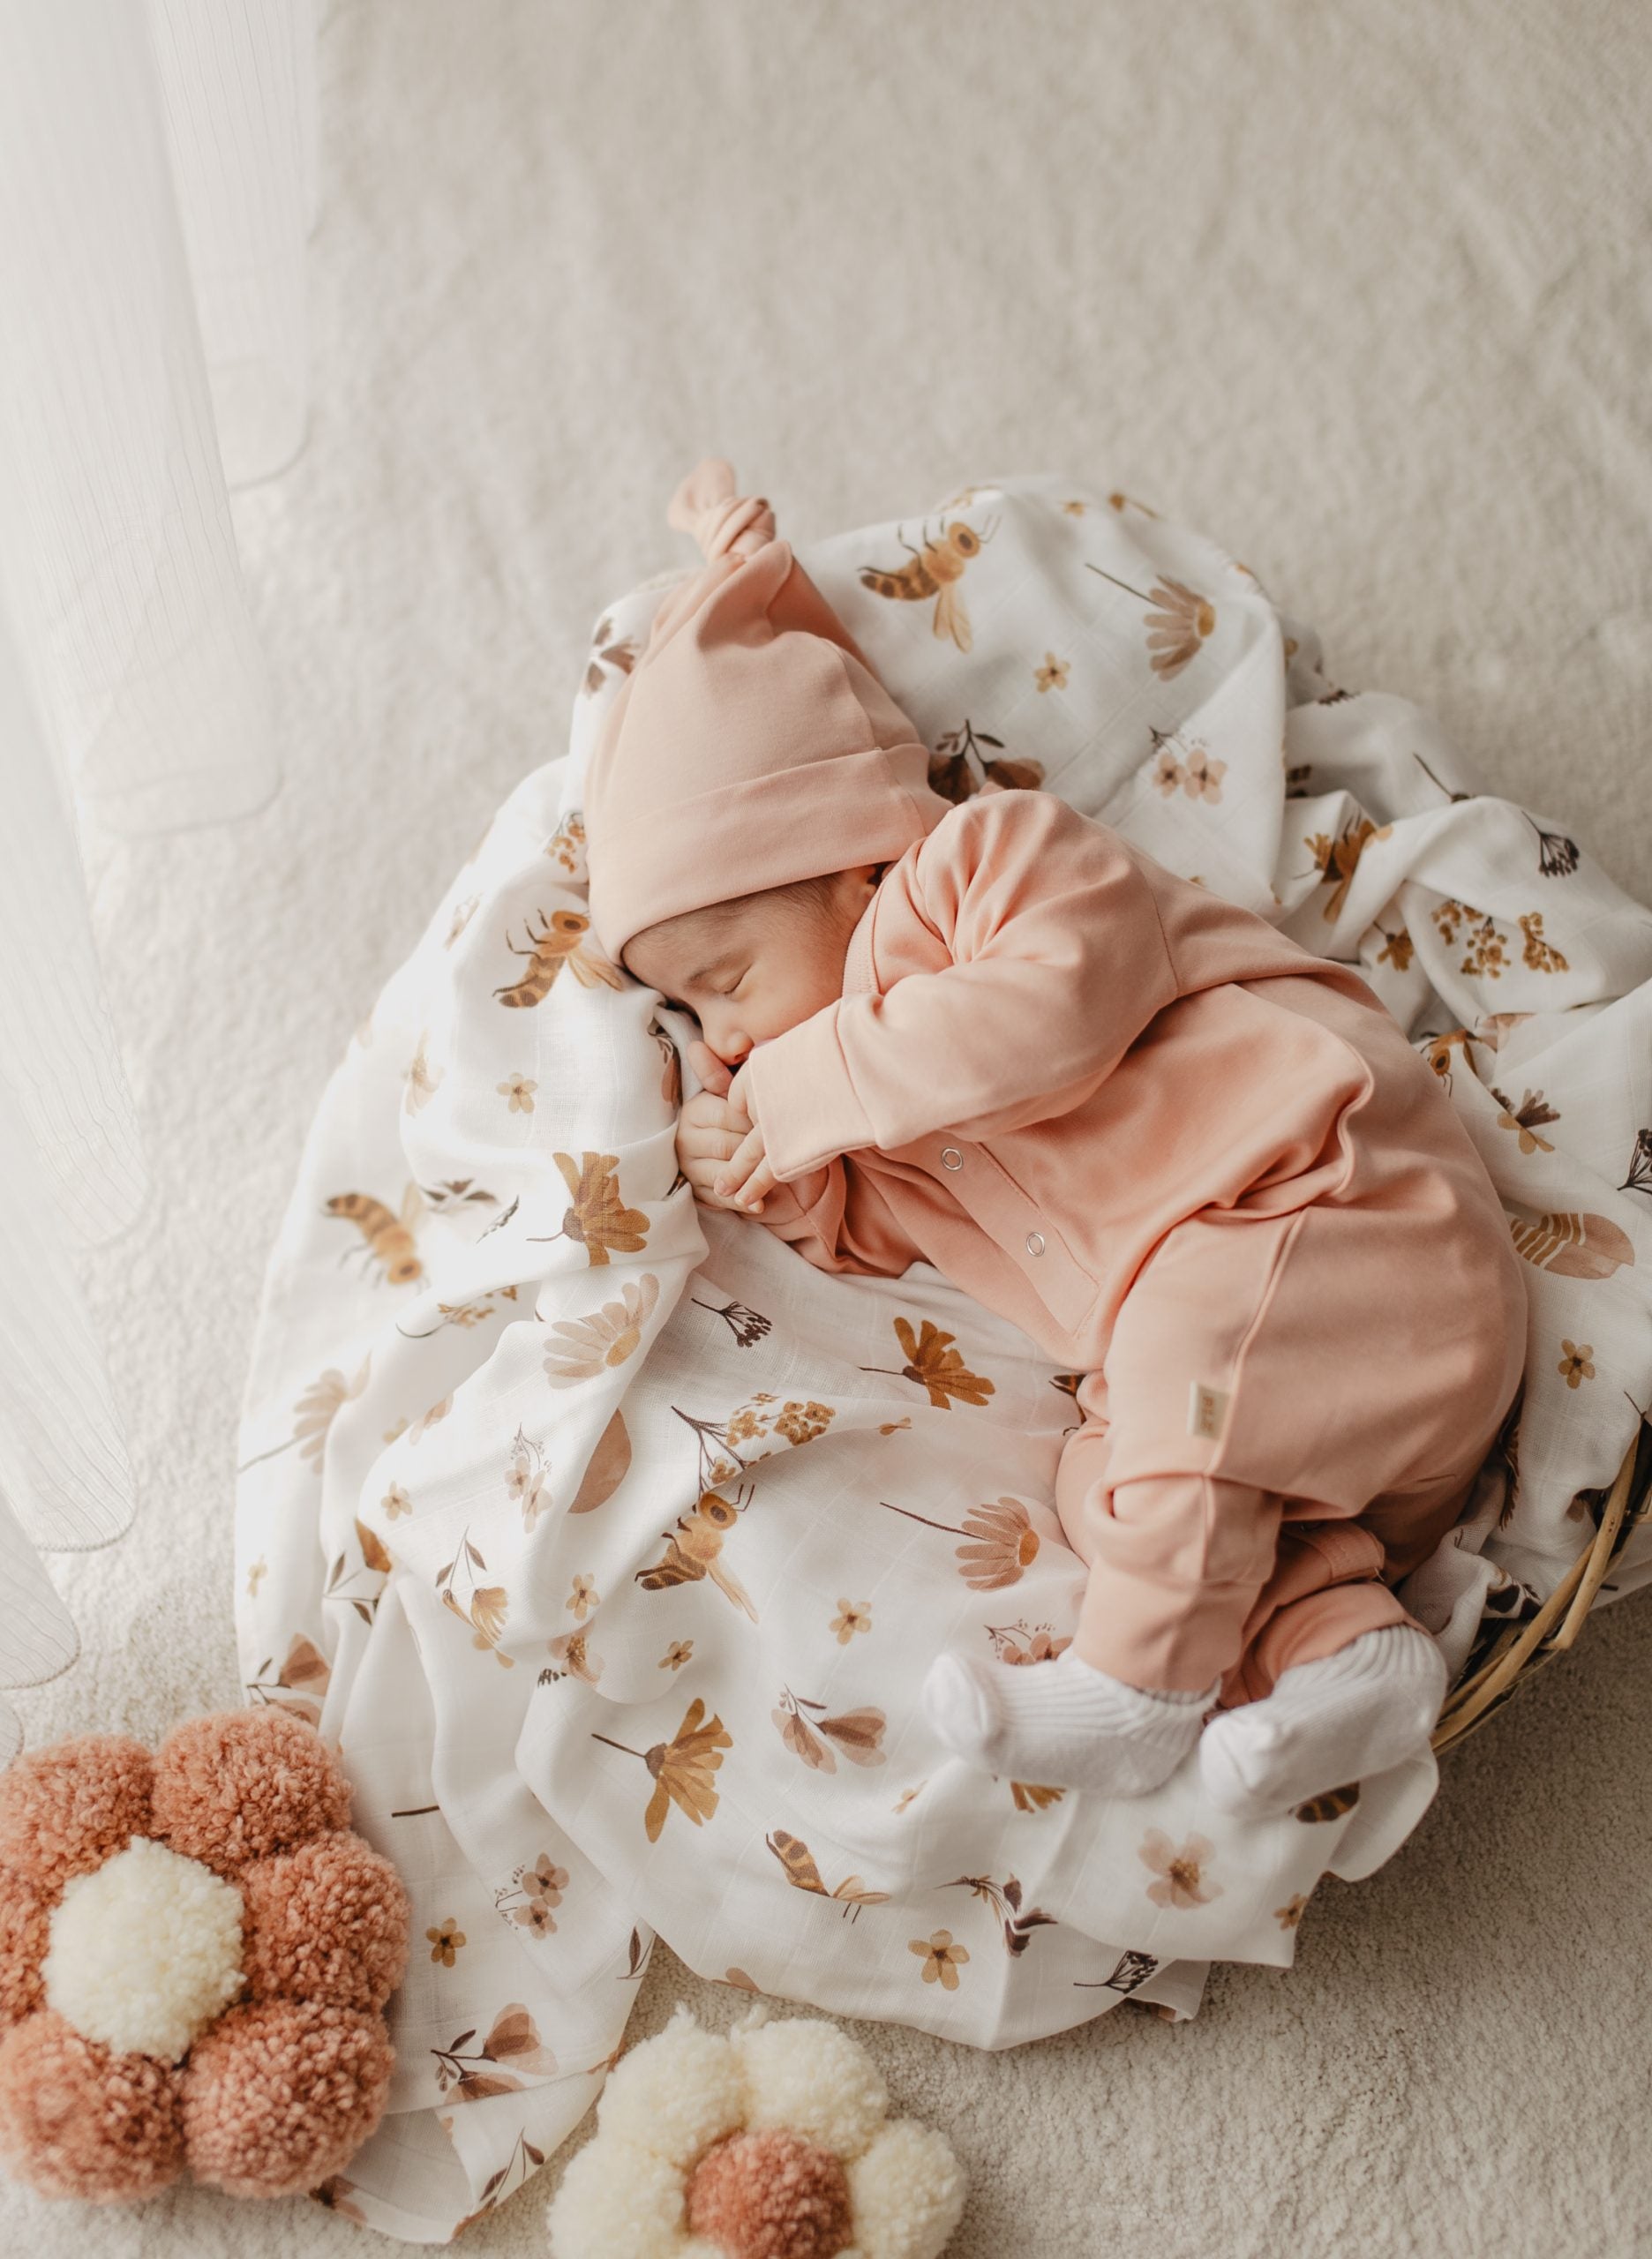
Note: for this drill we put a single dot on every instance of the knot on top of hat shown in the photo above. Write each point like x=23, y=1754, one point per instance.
x=722, y=521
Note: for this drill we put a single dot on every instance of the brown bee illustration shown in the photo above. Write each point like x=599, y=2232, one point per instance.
x=558, y=942
x=935, y=570
x=692, y=1551
x=390, y=1244
x=1443, y=1053
x=1330, y=1806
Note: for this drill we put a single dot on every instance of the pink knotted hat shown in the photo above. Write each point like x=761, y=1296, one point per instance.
x=752, y=744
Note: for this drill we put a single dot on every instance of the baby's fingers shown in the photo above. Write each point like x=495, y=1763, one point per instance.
x=708, y=1067
x=748, y=1176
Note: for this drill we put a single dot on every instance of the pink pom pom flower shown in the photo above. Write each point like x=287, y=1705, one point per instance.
x=195, y=1955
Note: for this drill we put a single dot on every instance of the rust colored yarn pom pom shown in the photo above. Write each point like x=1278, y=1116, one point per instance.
x=195, y=1952
x=773, y=2195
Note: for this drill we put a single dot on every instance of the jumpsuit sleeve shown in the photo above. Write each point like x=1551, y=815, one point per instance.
x=1057, y=962
x=842, y=1227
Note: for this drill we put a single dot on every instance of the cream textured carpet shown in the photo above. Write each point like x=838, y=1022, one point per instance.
x=1360, y=292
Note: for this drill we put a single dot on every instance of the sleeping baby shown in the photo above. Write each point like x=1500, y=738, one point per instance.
x=1199, y=1166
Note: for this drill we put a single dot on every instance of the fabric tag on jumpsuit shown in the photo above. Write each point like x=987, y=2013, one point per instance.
x=1207, y=1409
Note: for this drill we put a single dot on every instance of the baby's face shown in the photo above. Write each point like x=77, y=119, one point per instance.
x=750, y=968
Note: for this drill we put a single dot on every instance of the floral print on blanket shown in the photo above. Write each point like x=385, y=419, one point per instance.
x=617, y=1592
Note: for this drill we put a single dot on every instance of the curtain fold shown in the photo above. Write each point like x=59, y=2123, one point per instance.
x=158, y=181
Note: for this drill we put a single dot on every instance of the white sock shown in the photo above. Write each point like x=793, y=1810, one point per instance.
x=1062, y=1724
x=1325, y=1724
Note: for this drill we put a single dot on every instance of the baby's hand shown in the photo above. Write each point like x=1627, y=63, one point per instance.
x=717, y=1142
x=709, y=1129
x=747, y=1180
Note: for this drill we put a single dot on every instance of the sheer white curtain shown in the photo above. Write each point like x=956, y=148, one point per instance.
x=157, y=187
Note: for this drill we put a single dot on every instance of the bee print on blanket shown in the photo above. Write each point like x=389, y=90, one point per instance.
x=391, y=1250
x=934, y=570
x=557, y=940
x=694, y=1550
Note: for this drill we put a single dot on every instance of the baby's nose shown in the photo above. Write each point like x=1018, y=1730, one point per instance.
x=730, y=1043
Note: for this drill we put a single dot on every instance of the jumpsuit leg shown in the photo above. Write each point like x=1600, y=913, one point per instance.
x=1206, y=1581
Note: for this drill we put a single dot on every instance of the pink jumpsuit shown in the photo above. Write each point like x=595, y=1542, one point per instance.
x=1200, y=1167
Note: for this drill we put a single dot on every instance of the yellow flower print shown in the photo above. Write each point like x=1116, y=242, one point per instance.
x=856, y=1616
x=1074, y=509
x=520, y=1091
x=681, y=1768
x=1542, y=955
x=1574, y=1364
x=1053, y=674
x=606, y=1338
x=598, y=1221
x=1336, y=860
x=1288, y=1915
x=583, y=1596
x=396, y=1503
x=906, y=1795
x=1397, y=949
x=942, y=1958
x=1180, y=1869
x=932, y=1361
x=256, y=1575
x=677, y=1655
x=1034, y=1796
x=800, y=1423
x=446, y=1941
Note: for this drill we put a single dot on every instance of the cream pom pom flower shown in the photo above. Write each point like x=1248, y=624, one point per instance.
x=773, y=2143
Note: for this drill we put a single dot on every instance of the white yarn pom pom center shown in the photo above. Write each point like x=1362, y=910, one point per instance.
x=144, y=1951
